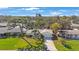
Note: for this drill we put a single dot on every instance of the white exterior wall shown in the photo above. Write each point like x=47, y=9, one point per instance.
x=73, y=36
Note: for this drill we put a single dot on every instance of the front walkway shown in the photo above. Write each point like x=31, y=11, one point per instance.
x=50, y=45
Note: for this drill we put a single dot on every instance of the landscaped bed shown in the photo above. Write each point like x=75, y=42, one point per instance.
x=17, y=43
x=67, y=44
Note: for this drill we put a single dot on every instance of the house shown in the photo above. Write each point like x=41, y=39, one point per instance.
x=4, y=32
x=4, y=24
x=74, y=26
x=69, y=34
x=47, y=33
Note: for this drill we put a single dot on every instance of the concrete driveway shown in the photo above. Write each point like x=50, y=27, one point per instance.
x=50, y=45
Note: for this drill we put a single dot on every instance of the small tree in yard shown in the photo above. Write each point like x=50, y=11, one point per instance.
x=55, y=27
x=65, y=44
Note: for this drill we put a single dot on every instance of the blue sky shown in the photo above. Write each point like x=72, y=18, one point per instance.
x=45, y=11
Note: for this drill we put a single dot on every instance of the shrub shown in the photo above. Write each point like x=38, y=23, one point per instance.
x=65, y=44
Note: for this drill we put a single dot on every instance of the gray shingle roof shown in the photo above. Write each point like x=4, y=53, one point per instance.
x=3, y=24
x=73, y=32
x=45, y=32
x=3, y=30
x=6, y=30
x=15, y=30
x=75, y=25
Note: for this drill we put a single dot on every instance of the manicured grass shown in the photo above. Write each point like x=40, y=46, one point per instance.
x=15, y=43
x=73, y=43
x=11, y=43
x=33, y=42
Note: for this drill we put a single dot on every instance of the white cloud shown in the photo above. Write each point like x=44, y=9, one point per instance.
x=38, y=11
x=77, y=10
x=3, y=7
x=46, y=15
x=32, y=8
x=63, y=10
x=76, y=14
x=41, y=10
x=56, y=13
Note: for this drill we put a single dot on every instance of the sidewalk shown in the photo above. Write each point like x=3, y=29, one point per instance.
x=50, y=45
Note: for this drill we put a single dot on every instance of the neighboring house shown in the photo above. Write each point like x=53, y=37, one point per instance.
x=4, y=31
x=3, y=24
x=74, y=26
x=70, y=34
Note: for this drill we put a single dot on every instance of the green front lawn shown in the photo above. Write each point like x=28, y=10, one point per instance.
x=73, y=44
x=15, y=43
x=11, y=43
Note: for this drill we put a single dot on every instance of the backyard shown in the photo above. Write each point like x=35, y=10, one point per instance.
x=67, y=44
